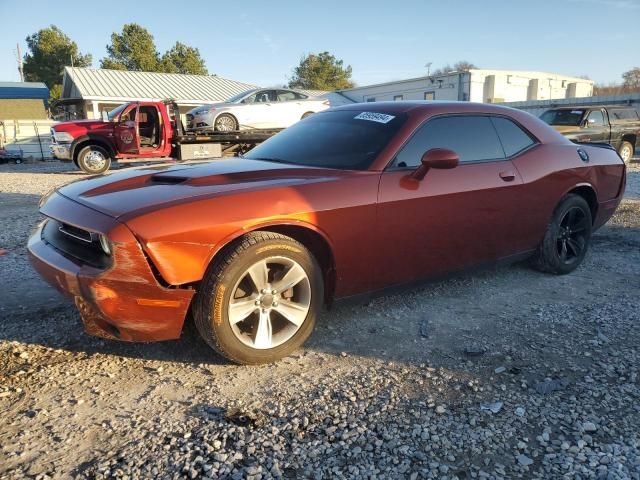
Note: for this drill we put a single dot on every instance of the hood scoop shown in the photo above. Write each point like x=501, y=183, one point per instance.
x=167, y=179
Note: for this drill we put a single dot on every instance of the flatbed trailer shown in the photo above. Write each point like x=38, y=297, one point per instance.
x=145, y=132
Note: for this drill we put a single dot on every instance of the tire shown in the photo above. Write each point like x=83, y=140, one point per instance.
x=228, y=278
x=225, y=122
x=93, y=159
x=305, y=115
x=626, y=151
x=566, y=240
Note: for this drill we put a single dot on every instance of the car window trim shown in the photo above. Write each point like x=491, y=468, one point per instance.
x=601, y=114
x=536, y=142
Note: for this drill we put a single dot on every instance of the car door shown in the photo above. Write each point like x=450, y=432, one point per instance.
x=126, y=131
x=253, y=111
x=264, y=110
x=289, y=107
x=452, y=218
x=596, y=127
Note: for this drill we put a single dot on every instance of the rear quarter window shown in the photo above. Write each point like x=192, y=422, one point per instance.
x=617, y=115
x=514, y=139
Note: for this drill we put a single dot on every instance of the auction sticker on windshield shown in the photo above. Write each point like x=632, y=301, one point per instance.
x=374, y=117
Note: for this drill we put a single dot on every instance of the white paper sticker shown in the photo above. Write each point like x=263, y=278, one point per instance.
x=374, y=117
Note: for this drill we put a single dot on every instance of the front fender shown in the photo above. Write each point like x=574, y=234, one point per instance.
x=97, y=139
x=185, y=262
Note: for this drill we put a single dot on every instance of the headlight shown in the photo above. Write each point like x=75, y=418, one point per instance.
x=105, y=244
x=63, y=137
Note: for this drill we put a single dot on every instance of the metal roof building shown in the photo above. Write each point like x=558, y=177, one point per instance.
x=88, y=91
x=23, y=100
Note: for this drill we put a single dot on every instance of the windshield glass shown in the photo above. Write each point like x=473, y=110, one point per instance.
x=115, y=113
x=240, y=96
x=347, y=139
x=563, y=117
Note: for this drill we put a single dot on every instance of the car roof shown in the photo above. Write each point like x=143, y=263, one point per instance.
x=428, y=106
x=585, y=107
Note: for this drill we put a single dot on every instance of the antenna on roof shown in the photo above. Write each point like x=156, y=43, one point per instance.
x=428, y=65
x=19, y=58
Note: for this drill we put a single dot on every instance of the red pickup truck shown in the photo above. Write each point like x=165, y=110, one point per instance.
x=142, y=131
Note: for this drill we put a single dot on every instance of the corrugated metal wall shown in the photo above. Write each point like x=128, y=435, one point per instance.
x=28, y=138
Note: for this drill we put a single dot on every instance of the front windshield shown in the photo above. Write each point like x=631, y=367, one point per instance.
x=238, y=97
x=563, y=117
x=115, y=113
x=344, y=139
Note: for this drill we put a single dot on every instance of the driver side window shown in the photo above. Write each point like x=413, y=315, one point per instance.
x=129, y=115
x=473, y=138
x=596, y=118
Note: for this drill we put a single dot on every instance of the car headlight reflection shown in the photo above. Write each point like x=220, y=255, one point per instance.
x=105, y=244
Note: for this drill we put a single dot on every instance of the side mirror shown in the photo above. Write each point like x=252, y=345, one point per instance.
x=441, y=158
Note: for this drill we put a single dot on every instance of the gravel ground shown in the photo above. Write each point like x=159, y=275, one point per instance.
x=504, y=373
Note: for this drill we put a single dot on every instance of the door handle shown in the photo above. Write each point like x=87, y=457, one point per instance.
x=507, y=176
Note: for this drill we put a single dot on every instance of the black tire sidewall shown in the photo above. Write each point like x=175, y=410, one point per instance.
x=549, y=259
x=83, y=153
x=225, y=340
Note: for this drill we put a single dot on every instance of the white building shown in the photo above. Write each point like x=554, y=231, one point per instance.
x=476, y=85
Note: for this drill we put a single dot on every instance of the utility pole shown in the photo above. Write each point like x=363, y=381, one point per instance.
x=20, y=69
x=428, y=65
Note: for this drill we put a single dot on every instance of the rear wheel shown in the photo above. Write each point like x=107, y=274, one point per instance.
x=93, y=159
x=225, y=123
x=259, y=299
x=567, y=237
x=626, y=151
x=306, y=114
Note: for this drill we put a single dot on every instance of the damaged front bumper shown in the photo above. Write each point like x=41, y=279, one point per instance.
x=122, y=300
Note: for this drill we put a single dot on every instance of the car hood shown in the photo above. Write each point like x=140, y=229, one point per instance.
x=82, y=126
x=134, y=191
x=202, y=108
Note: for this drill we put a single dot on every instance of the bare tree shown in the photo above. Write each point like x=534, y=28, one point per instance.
x=461, y=66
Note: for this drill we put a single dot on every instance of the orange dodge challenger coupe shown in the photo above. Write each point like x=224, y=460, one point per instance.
x=347, y=201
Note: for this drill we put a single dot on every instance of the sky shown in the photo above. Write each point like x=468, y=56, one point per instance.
x=260, y=42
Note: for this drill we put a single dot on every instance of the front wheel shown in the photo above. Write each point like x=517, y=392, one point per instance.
x=259, y=298
x=225, y=123
x=567, y=237
x=626, y=151
x=93, y=159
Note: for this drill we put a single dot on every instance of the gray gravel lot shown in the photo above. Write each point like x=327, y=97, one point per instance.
x=504, y=373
